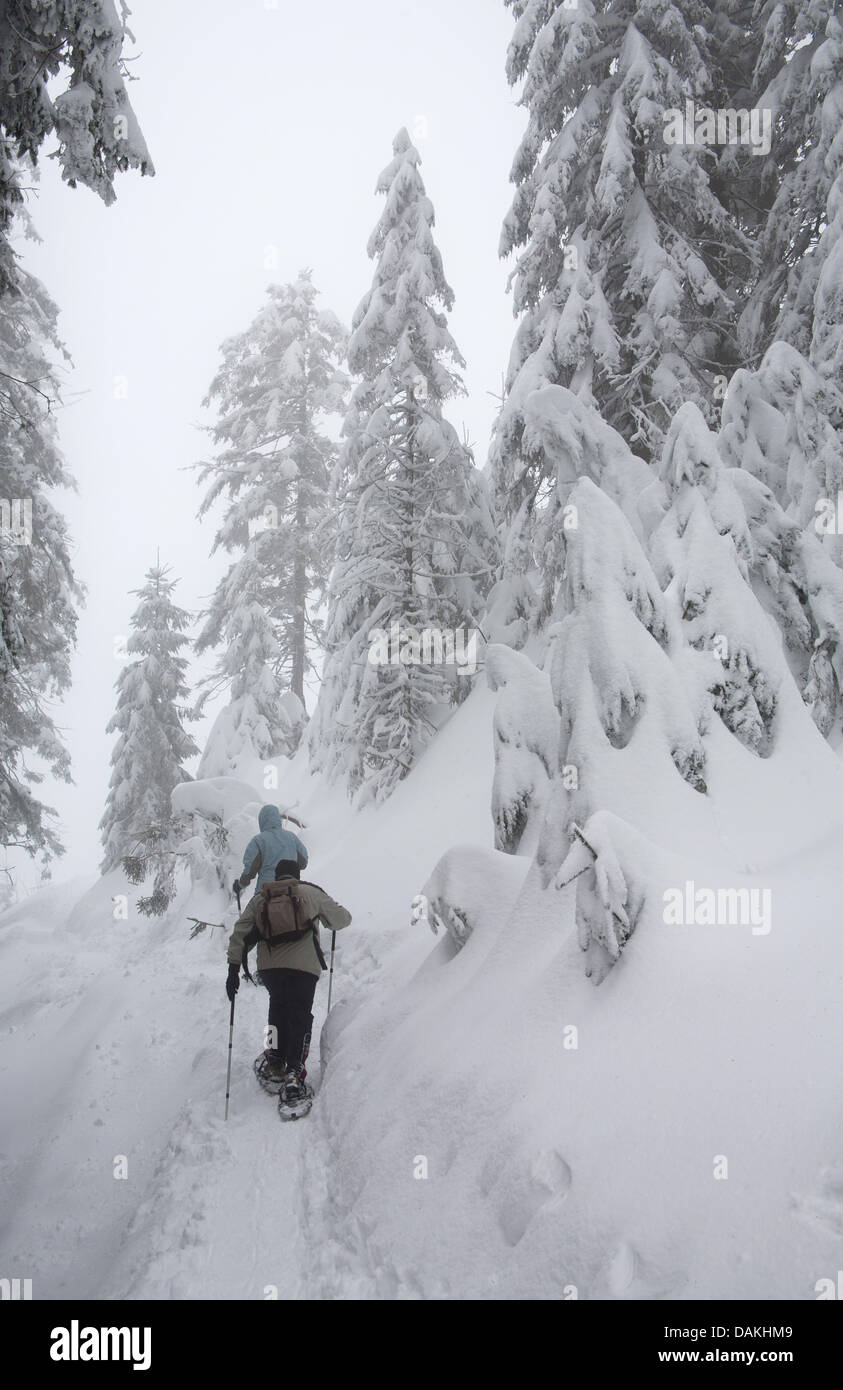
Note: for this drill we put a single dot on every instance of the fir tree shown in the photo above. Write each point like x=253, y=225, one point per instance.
x=279, y=384
x=416, y=549
x=630, y=256
x=782, y=424
x=259, y=720
x=796, y=189
x=574, y=442
x=704, y=550
x=786, y=460
x=139, y=830
x=38, y=589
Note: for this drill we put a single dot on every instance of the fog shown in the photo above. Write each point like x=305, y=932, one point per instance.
x=268, y=125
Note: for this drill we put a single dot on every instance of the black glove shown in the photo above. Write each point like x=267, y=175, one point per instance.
x=232, y=984
x=236, y=887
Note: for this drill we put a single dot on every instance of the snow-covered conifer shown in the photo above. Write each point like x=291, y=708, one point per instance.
x=260, y=720
x=704, y=549
x=38, y=590
x=80, y=41
x=795, y=189
x=610, y=894
x=826, y=349
x=782, y=423
x=139, y=830
x=616, y=674
x=628, y=253
x=416, y=549
x=278, y=387
x=574, y=441
x=526, y=733
x=781, y=439
x=631, y=254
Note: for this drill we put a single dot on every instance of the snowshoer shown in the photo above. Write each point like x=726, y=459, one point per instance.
x=265, y=849
x=283, y=921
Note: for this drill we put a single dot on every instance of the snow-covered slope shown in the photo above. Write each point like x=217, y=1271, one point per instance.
x=461, y=1146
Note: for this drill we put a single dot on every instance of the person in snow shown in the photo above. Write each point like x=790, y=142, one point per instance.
x=272, y=844
x=290, y=971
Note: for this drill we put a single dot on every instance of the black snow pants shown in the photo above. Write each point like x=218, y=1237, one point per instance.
x=290, y=1002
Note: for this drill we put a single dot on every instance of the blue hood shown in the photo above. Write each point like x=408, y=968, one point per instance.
x=272, y=844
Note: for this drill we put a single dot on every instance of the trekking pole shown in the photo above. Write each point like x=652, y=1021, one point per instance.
x=230, y=1045
x=237, y=895
x=331, y=976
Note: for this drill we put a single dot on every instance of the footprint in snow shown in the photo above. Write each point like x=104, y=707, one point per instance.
x=520, y=1193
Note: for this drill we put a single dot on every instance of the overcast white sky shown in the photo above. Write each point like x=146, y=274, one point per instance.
x=268, y=126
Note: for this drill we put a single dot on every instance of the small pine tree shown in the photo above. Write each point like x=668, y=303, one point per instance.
x=138, y=828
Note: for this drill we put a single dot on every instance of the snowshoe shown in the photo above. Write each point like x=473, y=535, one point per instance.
x=295, y=1097
x=271, y=1072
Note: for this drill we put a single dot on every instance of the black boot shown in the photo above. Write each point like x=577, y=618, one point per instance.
x=294, y=1087
x=295, y=1097
x=271, y=1069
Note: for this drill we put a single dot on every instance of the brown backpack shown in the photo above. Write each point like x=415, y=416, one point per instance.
x=280, y=916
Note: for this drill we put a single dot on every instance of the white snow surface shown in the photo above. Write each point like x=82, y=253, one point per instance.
x=549, y=1167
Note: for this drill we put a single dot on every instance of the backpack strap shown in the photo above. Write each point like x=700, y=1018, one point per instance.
x=261, y=919
x=317, y=947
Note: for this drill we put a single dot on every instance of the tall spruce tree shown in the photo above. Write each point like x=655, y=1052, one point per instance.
x=629, y=254
x=416, y=549
x=632, y=252
x=139, y=830
x=278, y=387
x=795, y=191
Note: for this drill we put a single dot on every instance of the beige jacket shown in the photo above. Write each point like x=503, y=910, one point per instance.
x=297, y=955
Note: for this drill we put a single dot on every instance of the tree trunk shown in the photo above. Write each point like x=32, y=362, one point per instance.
x=300, y=565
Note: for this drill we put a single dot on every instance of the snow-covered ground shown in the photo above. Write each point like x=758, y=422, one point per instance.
x=461, y=1145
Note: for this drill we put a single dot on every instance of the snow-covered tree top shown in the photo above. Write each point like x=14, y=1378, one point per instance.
x=399, y=328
